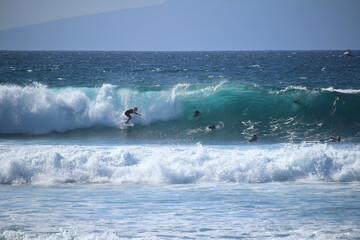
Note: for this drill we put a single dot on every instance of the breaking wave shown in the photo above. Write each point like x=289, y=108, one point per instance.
x=238, y=110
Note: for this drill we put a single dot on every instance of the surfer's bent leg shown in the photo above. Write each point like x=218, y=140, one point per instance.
x=129, y=116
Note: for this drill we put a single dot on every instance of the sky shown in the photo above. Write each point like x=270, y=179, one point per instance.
x=179, y=25
x=18, y=13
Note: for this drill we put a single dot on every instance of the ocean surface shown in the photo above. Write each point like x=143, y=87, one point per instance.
x=70, y=168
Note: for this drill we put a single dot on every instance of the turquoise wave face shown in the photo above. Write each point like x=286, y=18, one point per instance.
x=236, y=110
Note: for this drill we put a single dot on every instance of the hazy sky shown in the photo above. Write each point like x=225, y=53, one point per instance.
x=179, y=24
x=17, y=13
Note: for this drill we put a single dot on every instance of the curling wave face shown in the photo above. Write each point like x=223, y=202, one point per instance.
x=237, y=110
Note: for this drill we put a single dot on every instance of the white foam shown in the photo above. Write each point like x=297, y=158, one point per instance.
x=219, y=85
x=329, y=89
x=289, y=88
x=159, y=164
x=38, y=109
x=347, y=91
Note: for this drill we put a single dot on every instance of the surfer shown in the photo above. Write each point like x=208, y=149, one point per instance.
x=196, y=113
x=130, y=111
x=253, y=139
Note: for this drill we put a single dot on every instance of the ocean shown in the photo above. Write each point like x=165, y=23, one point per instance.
x=70, y=168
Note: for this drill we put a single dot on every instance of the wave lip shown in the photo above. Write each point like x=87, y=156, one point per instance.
x=41, y=164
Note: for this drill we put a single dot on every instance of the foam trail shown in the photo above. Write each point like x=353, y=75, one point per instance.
x=159, y=164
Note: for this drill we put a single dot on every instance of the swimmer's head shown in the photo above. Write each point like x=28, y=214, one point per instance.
x=135, y=108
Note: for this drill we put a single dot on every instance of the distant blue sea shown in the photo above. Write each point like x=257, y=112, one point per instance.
x=70, y=168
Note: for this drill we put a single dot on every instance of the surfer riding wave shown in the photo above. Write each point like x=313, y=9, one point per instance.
x=130, y=111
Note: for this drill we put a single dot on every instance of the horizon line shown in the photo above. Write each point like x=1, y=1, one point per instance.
x=238, y=50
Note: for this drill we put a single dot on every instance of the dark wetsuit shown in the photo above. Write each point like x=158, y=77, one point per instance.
x=128, y=112
x=253, y=139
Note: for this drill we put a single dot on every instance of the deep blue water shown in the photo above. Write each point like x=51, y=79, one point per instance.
x=311, y=69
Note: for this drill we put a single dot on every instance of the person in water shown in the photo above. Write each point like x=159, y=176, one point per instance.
x=130, y=111
x=253, y=139
x=333, y=139
x=212, y=127
x=196, y=113
x=297, y=101
x=338, y=139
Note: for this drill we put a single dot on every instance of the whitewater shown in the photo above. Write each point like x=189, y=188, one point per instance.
x=71, y=169
x=149, y=164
